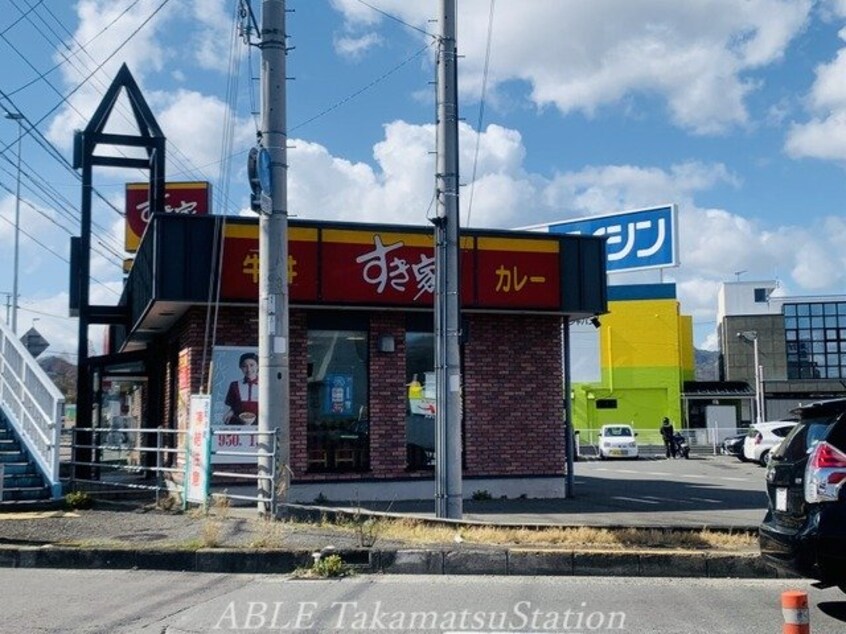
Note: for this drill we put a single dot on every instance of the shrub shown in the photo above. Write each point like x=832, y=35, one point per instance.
x=330, y=566
x=79, y=500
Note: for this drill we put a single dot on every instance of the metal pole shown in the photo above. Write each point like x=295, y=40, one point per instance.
x=569, y=435
x=759, y=396
x=448, y=502
x=18, y=117
x=273, y=267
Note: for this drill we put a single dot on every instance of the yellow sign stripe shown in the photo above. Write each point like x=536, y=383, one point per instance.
x=298, y=234
x=348, y=236
x=517, y=244
x=169, y=185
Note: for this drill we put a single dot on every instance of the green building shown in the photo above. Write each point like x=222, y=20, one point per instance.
x=645, y=356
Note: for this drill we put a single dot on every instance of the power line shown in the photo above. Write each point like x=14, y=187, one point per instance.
x=23, y=16
x=481, y=111
x=373, y=83
x=54, y=67
x=397, y=19
x=56, y=255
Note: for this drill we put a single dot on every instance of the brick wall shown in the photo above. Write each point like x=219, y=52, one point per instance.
x=513, y=390
x=513, y=396
x=387, y=397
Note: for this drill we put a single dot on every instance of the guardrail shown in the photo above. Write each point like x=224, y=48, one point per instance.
x=126, y=459
x=33, y=405
x=701, y=441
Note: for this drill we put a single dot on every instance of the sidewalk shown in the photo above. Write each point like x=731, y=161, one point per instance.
x=132, y=537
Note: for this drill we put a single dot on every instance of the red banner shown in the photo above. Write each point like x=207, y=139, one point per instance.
x=389, y=268
x=520, y=273
x=180, y=198
x=240, y=277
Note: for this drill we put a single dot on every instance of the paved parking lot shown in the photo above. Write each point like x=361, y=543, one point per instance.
x=718, y=491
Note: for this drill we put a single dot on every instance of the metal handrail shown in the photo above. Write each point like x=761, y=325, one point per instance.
x=33, y=405
x=162, y=452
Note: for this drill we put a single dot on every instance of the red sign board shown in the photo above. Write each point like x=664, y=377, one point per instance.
x=180, y=198
x=240, y=276
x=518, y=273
x=366, y=267
x=392, y=268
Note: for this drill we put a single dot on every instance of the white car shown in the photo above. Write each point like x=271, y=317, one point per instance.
x=762, y=438
x=617, y=441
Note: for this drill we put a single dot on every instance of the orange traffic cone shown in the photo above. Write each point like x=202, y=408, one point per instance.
x=794, y=609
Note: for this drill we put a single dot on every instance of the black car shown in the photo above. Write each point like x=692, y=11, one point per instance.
x=733, y=446
x=804, y=531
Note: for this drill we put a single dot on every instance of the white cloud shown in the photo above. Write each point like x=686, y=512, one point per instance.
x=824, y=135
x=694, y=55
x=355, y=47
x=141, y=51
x=213, y=42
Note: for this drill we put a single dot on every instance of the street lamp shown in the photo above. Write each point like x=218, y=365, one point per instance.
x=16, y=116
x=751, y=336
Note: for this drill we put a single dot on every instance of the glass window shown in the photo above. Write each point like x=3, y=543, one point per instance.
x=420, y=402
x=791, y=335
x=841, y=308
x=830, y=309
x=803, y=310
x=338, y=433
x=817, y=322
x=831, y=346
x=790, y=322
x=816, y=309
x=790, y=310
x=841, y=321
x=760, y=295
x=830, y=321
x=805, y=322
x=817, y=336
x=831, y=334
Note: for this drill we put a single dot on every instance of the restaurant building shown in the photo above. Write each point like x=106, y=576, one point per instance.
x=361, y=355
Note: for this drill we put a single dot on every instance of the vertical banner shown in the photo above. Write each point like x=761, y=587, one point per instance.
x=234, y=403
x=198, y=449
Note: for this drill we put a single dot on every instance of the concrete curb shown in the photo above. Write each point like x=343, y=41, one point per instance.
x=517, y=561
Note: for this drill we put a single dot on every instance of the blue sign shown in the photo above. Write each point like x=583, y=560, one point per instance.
x=641, y=239
x=338, y=397
x=264, y=173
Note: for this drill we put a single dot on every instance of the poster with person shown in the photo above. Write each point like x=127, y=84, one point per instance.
x=234, y=403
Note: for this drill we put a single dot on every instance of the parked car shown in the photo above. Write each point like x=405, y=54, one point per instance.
x=617, y=441
x=804, y=531
x=762, y=438
x=733, y=446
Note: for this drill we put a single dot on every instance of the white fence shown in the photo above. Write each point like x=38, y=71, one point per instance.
x=701, y=441
x=153, y=460
x=33, y=405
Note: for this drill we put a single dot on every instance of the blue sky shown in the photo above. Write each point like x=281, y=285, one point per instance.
x=735, y=111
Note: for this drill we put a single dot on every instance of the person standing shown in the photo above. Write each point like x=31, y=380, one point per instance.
x=667, y=433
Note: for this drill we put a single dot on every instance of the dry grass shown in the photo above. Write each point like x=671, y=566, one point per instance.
x=269, y=534
x=211, y=533
x=414, y=531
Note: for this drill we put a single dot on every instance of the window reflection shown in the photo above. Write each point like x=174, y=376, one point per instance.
x=338, y=433
x=805, y=361
x=420, y=402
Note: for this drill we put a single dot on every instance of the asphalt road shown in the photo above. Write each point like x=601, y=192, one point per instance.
x=716, y=491
x=133, y=601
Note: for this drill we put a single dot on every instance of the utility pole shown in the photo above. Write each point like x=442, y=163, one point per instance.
x=448, y=498
x=17, y=117
x=751, y=336
x=274, y=398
